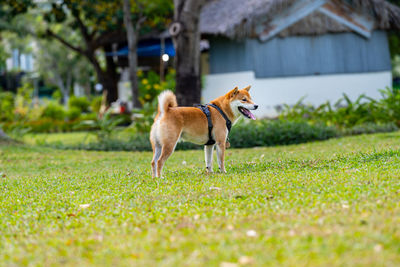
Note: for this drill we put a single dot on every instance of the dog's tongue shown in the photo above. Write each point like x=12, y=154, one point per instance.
x=250, y=114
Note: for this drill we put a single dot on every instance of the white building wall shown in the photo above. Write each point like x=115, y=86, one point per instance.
x=270, y=92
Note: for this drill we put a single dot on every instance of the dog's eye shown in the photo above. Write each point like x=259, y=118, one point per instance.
x=244, y=99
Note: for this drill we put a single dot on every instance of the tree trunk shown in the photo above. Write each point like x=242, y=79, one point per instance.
x=131, y=34
x=111, y=77
x=187, y=47
x=108, y=78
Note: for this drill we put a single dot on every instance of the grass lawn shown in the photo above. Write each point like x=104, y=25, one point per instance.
x=71, y=138
x=326, y=203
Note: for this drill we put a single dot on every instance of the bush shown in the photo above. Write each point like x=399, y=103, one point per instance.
x=79, y=102
x=260, y=133
x=96, y=104
x=150, y=85
x=369, y=128
x=47, y=125
x=144, y=117
x=345, y=114
x=54, y=111
x=6, y=106
x=278, y=132
x=73, y=113
x=23, y=100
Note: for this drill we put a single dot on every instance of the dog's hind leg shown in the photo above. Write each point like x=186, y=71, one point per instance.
x=221, y=156
x=208, y=152
x=156, y=156
x=166, y=150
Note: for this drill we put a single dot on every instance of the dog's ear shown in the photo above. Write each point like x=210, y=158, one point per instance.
x=233, y=92
x=247, y=88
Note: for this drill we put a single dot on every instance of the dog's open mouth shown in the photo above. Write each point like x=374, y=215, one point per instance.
x=246, y=113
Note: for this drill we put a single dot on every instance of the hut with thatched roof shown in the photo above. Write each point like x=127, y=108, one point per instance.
x=288, y=49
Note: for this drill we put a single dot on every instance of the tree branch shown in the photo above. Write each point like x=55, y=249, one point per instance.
x=64, y=42
x=142, y=18
x=106, y=38
x=88, y=38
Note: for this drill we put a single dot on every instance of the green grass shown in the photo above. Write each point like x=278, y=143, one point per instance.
x=326, y=203
x=71, y=138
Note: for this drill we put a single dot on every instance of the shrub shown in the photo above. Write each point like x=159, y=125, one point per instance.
x=6, y=106
x=150, y=85
x=346, y=114
x=369, y=128
x=23, y=101
x=95, y=104
x=54, y=111
x=144, y=117
x=79, y=102
x=261, y=133
x=73, y=113
x=106, y=126
x=278, y=132
x=389, y=106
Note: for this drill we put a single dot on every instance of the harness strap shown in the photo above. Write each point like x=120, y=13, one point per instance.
x=206, y=111
x=228, y=121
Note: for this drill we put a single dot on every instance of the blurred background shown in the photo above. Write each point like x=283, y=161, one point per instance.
x=86, y=74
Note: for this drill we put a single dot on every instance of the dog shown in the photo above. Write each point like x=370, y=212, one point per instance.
x=192, y=124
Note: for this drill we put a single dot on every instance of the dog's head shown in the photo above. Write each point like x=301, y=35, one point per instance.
x=241, y=103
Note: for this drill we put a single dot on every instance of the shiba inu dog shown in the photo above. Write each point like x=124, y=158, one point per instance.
x=208, y=125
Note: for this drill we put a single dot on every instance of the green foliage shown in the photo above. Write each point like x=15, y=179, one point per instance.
x=150, y=85
x=47, y=125
x=23, y=100
x=82, y=103
x=57, y=95
x=260, y=133
x=278, y=132
x=388, y=108
x=54, y=111
x=346, y=113
x=106, y=126
x=369, y=128
x=95, y=104
x=73, y=113
x=6, y=106
x=144, y=117
x=18, y=132
x=3, y=56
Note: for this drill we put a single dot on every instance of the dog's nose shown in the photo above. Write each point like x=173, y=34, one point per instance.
x=255, y=106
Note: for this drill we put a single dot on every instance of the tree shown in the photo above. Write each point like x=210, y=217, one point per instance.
x=9, y=10
x=132, y=36
x=101, y=25
x=394, y=36
x=156, y=13
x=186, y=36
x=62, y=67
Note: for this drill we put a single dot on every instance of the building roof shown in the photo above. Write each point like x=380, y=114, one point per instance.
x=266, y=18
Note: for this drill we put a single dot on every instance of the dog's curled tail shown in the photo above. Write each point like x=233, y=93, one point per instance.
x=166, y=100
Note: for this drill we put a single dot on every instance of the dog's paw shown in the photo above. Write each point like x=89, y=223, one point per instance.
x=209, y=170
x=222, y=171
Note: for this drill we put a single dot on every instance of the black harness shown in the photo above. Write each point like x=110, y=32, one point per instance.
x=207, y=112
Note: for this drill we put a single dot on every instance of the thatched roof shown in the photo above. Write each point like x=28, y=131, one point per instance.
x=238, y=18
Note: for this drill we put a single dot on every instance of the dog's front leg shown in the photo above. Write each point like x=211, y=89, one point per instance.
x=221, y=156
x=208, y=153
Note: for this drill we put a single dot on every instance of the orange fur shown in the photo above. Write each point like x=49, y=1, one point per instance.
x=190, y=124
